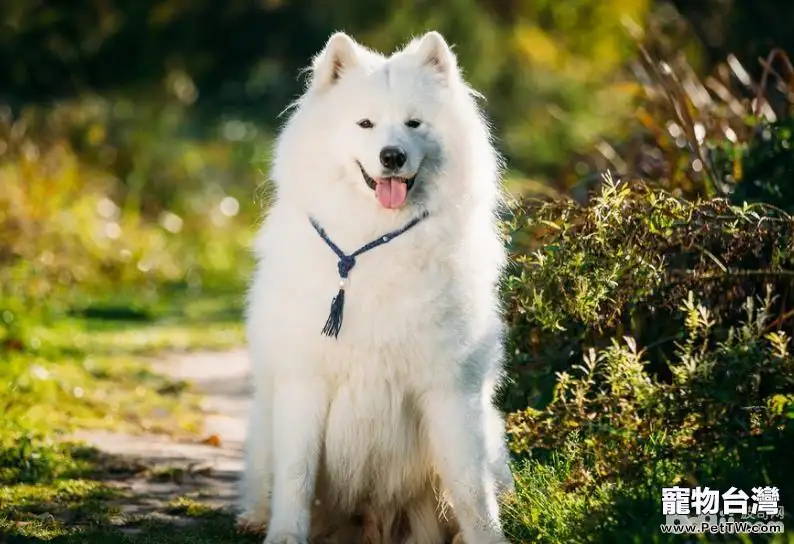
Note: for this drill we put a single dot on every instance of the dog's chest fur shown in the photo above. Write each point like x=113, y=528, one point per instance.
x=404, y=301
x=407, y=322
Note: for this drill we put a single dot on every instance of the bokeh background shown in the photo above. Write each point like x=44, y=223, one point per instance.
x=134, y=135
x=134, y=148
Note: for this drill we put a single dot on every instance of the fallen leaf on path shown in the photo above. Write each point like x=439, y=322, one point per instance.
x=213, y=440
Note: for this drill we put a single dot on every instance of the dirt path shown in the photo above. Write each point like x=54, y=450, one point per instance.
x=164, y=469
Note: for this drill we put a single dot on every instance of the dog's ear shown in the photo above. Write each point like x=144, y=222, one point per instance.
x=434, y=52
x=339, y=54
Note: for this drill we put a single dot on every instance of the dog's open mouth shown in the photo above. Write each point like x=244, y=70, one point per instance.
x=391, y=192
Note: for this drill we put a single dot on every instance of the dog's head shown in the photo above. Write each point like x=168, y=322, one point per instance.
x=388, y=127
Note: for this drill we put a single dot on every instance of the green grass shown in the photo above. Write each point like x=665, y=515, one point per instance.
x=178, y=322
x=90, y=371
x=548, y=508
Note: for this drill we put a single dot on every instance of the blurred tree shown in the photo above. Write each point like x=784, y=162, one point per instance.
x=553, y=71
x=538, y=62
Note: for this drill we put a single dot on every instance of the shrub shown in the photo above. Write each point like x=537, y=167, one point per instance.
x=650, y=347
x=621, y=264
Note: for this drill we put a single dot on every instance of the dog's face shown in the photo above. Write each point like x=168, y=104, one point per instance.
x=384, y=120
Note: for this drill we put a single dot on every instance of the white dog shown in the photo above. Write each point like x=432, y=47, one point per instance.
x=383, y=405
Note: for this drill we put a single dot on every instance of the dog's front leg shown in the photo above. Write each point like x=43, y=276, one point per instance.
x=299, y=411
x=456, y=427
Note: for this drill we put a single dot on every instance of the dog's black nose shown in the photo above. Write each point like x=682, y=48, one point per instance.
x=392, y=157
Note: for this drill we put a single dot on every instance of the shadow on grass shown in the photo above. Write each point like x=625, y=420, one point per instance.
x=102, y=498
x=176, y=304
x=209, y=528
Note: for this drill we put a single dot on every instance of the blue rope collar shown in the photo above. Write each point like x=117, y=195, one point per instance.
x=346, y=263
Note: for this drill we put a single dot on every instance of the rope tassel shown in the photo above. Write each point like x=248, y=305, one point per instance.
x=334, y=323
x=346, y=263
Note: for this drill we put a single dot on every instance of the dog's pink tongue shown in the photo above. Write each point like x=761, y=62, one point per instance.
x=391, y=192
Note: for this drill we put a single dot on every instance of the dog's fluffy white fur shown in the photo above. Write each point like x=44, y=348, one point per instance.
x=394, y=419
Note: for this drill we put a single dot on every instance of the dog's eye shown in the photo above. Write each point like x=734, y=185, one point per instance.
x=413, y=123
x=365, y=123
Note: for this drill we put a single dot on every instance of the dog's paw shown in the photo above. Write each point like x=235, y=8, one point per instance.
x=285, y=538
x=248, y=524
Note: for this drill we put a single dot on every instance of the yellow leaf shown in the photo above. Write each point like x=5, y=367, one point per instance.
x=537, y=46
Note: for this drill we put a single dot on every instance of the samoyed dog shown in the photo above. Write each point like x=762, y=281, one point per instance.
x=374, y=321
